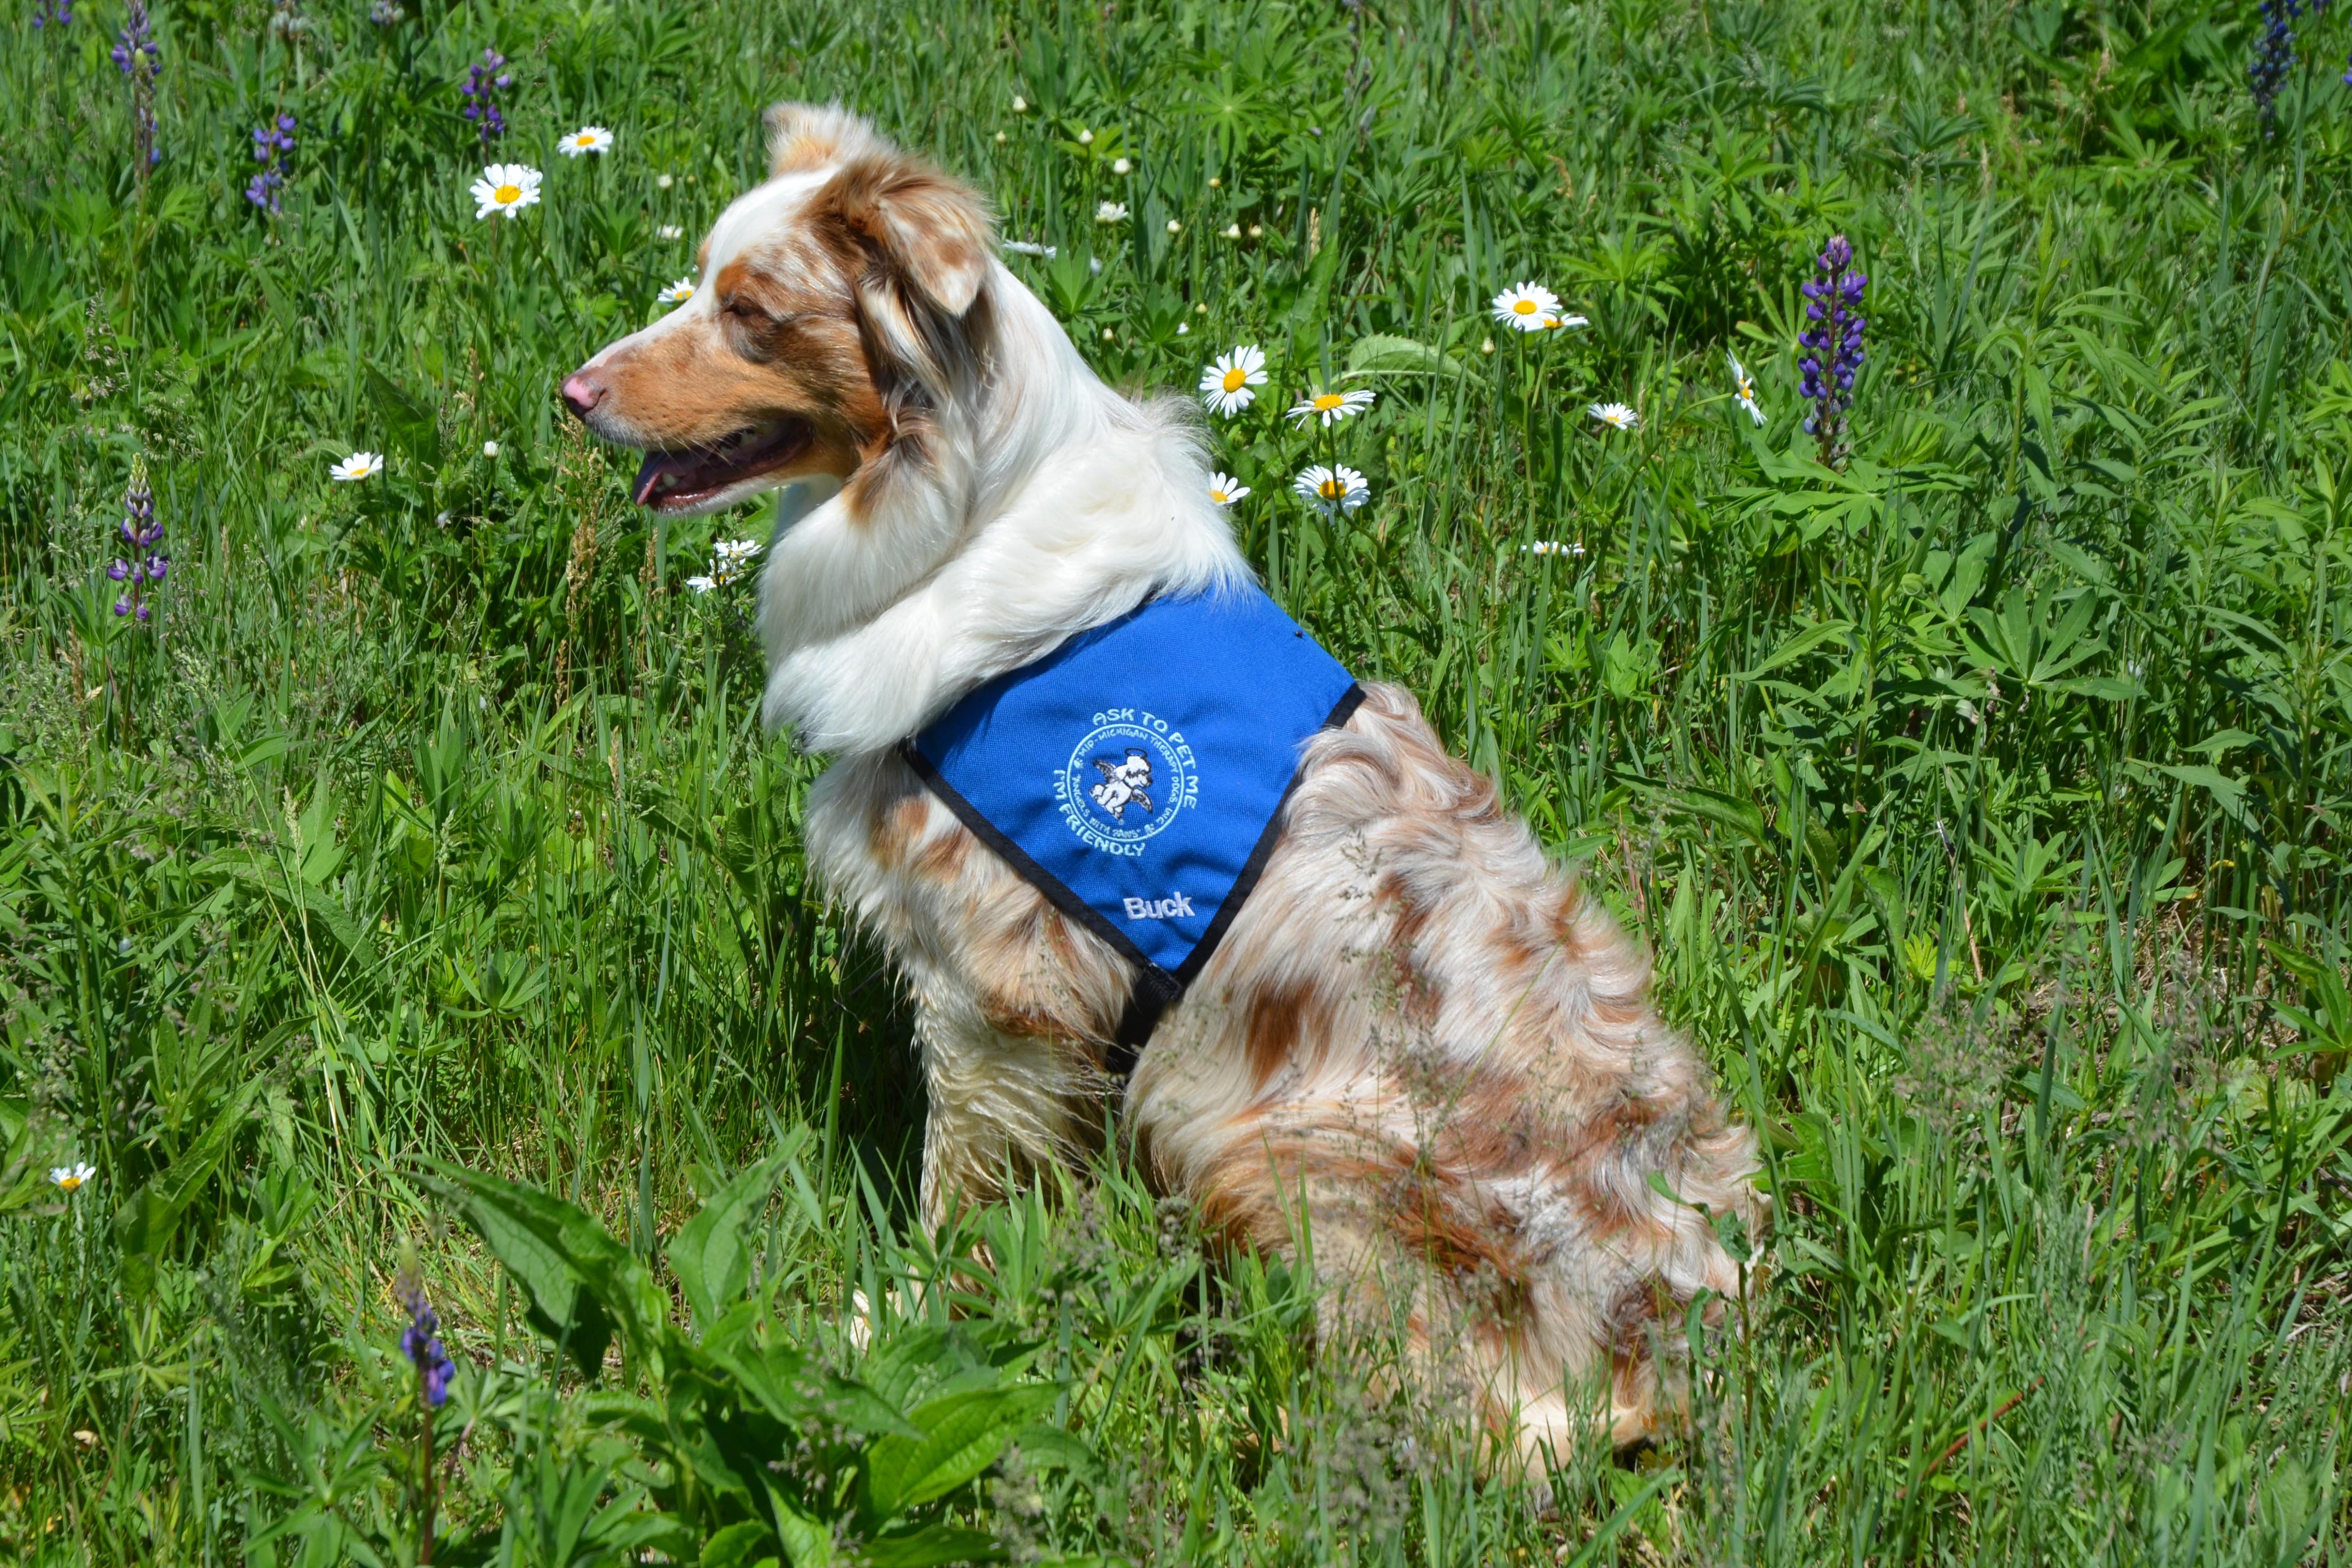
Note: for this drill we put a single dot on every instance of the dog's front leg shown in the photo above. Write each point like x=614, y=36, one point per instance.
x=1004, y=1106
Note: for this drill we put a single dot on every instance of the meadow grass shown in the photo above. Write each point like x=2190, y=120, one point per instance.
x=1981, y=792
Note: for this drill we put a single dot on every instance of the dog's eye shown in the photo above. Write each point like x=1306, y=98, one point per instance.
x=745, y=310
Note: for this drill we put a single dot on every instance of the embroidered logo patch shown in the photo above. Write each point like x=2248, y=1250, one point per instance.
x=1126, y=781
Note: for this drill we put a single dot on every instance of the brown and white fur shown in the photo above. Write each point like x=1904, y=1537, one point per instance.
x=1418, y=1029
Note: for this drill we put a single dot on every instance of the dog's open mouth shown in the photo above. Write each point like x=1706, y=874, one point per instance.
x=673, y=481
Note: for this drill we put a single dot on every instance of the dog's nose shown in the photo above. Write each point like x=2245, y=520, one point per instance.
x=580, y=393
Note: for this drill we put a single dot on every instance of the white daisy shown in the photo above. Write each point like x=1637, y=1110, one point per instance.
x=1225, y=489
x=1333, y=406
x=1334, y=490
x=70, y=1178
x=587, y=139
x=358, y=466
x=731, y=559
x=1616, y=415
x=1551, y=547
x=489, y=449
x=677, y=293
x=1110, y=212
x=1744, y=388
x=506, y=188
x=1226, y=384
x=1529, y=307
x=700, y=585
x=671, y=231
x=1562, y=323
x=1121, y=167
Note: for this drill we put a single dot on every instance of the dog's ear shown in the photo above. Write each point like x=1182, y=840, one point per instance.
x=804, y=136
x=931, y=231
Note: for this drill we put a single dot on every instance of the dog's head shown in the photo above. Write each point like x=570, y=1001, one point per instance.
x=838, y=302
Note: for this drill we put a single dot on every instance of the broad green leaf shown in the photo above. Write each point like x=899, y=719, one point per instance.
x=808, y=1542
x=146, y=1224
x=1797, y=647
x=740, y=1545
x=2227, y=792
x=791, y=1388
x=963, y=1433
x=568, y=1263
x=930, y=1546
x=1382, y=354
x=708, y=1253
x=1743, y=818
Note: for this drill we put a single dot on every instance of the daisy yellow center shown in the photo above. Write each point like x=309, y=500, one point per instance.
x=1524, y=306
x=1215, y=494
x=507, y=195
x=1235, y=379
x=1326, y=401
x=587, y=141
x=1332, y=489
x=69, y=1182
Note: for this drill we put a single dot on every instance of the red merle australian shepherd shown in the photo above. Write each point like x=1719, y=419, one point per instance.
x=1416, y=1030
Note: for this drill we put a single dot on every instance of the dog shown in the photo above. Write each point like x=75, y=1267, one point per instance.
x=1419, y=1041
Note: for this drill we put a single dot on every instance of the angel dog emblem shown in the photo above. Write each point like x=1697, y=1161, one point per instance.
x=1124, y=783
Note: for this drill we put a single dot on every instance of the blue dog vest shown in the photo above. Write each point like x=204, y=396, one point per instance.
x=1135, y=775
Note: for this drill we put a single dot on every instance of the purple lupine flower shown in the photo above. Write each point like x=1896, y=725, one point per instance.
x=144, y=562
x=136, y=56
x=483, y=83
x=2273, y=58
x=270, y=145
x=52, y=14
x=421, y=1343
x=1832, y=344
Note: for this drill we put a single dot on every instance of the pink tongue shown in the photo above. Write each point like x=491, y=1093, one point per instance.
x=657, y=464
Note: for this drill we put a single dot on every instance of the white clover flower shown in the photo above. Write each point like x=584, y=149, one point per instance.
x=677, y=293
x=999, y=138
x=1616, y=415
x=357, y=467
x=1111, y=212
x=1175, y=227
x=1225, y=489
x=1121, y=167
x=71, y=1178
x=1232, y=231
x=1744, y=387
x=506, y=188
x=671, y=231
x=1527, y=307
x=1333, y=406
x=661, y=182
x=1333, y=489
x=587, y=139
x=1226, y=384
x=1085, y=138
x=1020, y=104
x=489, y=449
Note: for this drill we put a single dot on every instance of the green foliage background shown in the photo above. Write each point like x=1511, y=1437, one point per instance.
x=1983, y=798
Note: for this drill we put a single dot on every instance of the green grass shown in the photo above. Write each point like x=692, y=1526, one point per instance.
x=1984, y=798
